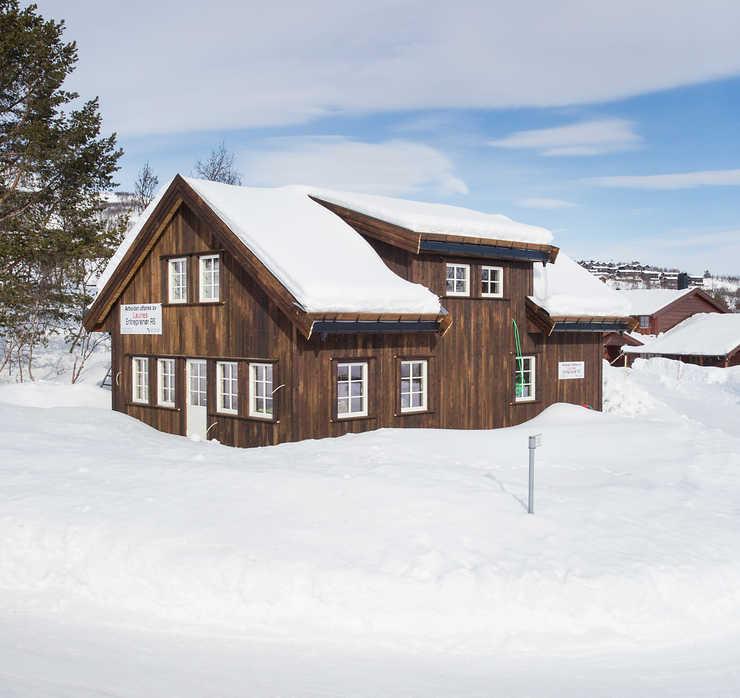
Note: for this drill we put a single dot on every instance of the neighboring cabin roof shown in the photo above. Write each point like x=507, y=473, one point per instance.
x=565, y=289
x=422, y=217
x=317, y=257
x=648, y=301
x=704, y=334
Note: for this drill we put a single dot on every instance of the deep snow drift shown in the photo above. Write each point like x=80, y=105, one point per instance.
x=401, y=545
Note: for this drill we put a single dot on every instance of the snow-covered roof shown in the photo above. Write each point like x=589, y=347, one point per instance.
x=646, y=301
x=704, y=334
x=424, y=217
x=325, y=264
x=565, y=289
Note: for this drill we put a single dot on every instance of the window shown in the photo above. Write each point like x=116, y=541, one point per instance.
x=491, y=282
x=260, y=390
x=209, y=278
x=413, y=386
x=352, y=390
x=178, y=280
x=524, y=379
x=644, y=321
x=227, y=387
x=166, y=382
x=141, y=379
x=458, y=280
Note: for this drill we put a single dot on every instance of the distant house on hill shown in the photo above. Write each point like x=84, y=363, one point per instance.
x=658, y=310
x=256, y=316
x=707, y=339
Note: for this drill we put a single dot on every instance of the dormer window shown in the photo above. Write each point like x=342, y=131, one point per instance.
x=491, y=282
x=458, y=280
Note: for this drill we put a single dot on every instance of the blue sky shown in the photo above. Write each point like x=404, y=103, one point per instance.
x=616, y=127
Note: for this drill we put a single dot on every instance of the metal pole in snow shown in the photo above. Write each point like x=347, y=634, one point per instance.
x=534, y=442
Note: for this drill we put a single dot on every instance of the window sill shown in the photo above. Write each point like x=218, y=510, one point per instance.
x=152, y=407
x=243, y=418
x=358, y=418
x=191, y=305
x=413, y=413
x=526, y=402
x=482, y=298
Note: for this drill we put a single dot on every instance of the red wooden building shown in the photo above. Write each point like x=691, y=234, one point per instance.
x=258, y=316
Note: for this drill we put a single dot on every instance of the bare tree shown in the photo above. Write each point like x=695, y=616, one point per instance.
x=219, y=167
x=145, y=187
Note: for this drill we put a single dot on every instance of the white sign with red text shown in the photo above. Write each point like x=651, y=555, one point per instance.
x=141, y=318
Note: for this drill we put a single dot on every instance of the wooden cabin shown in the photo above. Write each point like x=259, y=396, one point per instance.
x=706, y=339
x=260, y=316
x=658, y=310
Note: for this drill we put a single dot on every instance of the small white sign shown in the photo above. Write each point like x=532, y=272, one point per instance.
x=568, y=370
x=142, y=318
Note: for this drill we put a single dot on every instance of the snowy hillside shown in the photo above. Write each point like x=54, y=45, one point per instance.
x=398, y=562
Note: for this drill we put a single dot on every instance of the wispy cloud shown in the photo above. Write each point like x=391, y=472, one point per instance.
x=396, y=167
x=371, y=57
x=677, y=180
x=595, y=137
x=543, y=203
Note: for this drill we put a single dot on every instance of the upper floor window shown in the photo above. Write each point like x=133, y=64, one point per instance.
x=413, y=386
x=524, y=379
x=227, y=390
x=209, y=278
x=166, y=382
x=178, y=280
x=260, y=390
x=491, y=282
x=140, y=383
x=458, y=280
x=644, y=321
x=352, y=389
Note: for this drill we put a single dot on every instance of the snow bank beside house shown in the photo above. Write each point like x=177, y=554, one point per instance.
x=422, y=217
x=396, y=538
x=565, y=288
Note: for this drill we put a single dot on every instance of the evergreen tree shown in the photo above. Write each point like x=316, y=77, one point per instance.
x=54, y=164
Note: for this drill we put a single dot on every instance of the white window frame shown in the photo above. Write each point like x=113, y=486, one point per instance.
x=140, y=388
x=349, y=414
x=172, y=297
x=215, y=273
x=254, y=399
x=646, y=324
x=499, y=271
x=466, y=291
x=162, y=389
x=533, y=378
x=233, y=392
x=411, y=392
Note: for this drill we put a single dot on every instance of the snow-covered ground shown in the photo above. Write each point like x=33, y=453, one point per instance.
x=397, y=562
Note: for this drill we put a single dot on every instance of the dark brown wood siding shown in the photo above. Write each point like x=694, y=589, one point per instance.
x=470, y=367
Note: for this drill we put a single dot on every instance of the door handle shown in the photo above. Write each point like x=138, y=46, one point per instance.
x=118, y=378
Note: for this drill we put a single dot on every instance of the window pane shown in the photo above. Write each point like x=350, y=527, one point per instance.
x=342, y=389
x=356, y=389
x=405, y=386
x=342, y=406
x=342, y=372
x=405, y=401
x=357, y=372
x=405, y=368
x=356, y=404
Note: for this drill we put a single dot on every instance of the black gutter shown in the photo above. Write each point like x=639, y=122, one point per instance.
x=590, y=327
x=373, y=326
x=471, y=249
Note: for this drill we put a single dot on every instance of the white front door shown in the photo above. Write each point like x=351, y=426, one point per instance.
x=197, y=398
